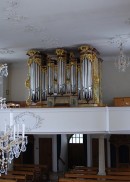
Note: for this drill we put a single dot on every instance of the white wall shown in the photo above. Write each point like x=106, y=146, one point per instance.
x=17, y=77
x=114, y=83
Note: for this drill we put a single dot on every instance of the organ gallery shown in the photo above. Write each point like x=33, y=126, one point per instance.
x=65, y=78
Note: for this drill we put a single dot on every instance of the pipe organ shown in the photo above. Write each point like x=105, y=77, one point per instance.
x=64, y=79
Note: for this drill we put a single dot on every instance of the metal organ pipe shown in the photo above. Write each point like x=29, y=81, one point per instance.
x=36, y=82
x=79, y=82
x=55, y=80
x=86, y=73
x=61, y=59
x=44, y=83
x=68, y=79
x=50, y=77
x=73, y=67
x=89, y=80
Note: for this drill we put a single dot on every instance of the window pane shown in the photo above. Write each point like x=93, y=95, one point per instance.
x=81, y=140
x=73, y=140
x=76, y=138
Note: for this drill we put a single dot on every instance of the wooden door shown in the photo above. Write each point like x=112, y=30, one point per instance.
x=45, y=152
x=76, y=155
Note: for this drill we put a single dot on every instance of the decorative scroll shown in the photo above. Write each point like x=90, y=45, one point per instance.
x=25, y=117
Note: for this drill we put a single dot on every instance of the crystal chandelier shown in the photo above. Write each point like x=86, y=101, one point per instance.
x=122, y=61
x=3, y=70
x=12, y=143
x=12, y=140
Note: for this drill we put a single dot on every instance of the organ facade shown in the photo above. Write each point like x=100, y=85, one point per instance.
x=66, y=78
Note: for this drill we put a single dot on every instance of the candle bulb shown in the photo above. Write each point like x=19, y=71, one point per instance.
x=14, y=132
x=11, y=119
x=17, y=130
x=23, y=130
x=5, y=129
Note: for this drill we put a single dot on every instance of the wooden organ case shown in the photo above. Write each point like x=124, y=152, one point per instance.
x=66, y=79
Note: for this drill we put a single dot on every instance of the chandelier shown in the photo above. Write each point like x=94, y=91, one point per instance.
x=12, y=142
x=3, y=70
x=122, y=61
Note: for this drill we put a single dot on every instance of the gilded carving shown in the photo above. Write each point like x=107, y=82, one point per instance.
x=38, y=61
x=33, y=52
x=60, y=52
x=96, y=80
x=28, y=101
x=27, y=82
x=30, y=61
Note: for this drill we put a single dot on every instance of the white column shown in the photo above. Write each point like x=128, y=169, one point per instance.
x=54, y=153
x=108, y=152
x=89, y=151
x=101, y=156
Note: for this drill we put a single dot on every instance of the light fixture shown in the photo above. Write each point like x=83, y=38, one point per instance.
x=3, y=70
x=12, y=142
x=122, y=61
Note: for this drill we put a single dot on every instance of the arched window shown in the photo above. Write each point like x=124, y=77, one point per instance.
x=76, y=138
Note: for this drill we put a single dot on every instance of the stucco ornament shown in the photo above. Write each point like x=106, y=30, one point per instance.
x=30, y=119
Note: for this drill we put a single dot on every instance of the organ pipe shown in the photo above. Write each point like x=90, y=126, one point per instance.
x=73, y=73
x=44, y=83
x=61, y=62
x=86, y=72
x=50, y=70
